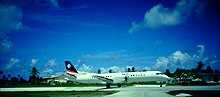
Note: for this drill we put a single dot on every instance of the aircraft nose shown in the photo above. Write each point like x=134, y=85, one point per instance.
x=167, y=77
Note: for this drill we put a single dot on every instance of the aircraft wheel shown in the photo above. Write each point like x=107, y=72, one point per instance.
x=108, y=85
x=119, y=85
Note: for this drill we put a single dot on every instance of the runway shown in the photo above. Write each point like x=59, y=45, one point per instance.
x=156, y=91
x=132, y=91
x=50, y=89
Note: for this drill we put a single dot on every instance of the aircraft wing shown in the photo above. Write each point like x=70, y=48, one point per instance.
x=56, y=77
x=107, y=80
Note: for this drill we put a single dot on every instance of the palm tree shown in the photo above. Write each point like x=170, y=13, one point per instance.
x=99, y=71
x=129, y=69
x=9, y=76
x=19, y=77
x=199, y=67
x=1, y=72
x=34, y=72
x=167, y=72
x=34, y=76
x=208, y=69
x=4, y=78
x=133, y=69
x=177, y=73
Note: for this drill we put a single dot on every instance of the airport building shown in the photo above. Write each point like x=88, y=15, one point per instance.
x=211, y=77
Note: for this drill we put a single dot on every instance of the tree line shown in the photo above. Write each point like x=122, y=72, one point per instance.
x=110, y=70
x=194, y=73
x=34, y=79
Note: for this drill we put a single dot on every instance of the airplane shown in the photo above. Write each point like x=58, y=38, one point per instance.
x=114, y=78
x=56, y=79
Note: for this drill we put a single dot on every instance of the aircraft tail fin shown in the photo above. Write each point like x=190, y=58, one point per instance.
x=70, y=69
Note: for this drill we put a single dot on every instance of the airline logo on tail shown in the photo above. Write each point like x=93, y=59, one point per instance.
x=70, y=69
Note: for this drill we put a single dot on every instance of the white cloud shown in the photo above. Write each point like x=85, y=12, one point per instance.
x=85, y=68
x=175, y=60
x=179, y=59
x=112, y=55
x=129, y=67
x=54, y=3
x=103, y=70
x=47, y=71
x=60, y=73
x=147, y=68
x=114, y=69
x=186, y=7
x=211, y=60
x=51, y=63
x=200, y=54
x=5, y=45
x=10, y=17
x=214, y=61
x=33, y=62
x=161, y=62
x=12, y=63
x=201, y=50
x=159, y=16
x=49, y=67
x=78, y=61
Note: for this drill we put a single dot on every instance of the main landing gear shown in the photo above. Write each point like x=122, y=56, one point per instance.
x=108, y=85
x=119, y=85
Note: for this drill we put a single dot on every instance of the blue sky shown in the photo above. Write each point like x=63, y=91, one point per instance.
x=108, y=34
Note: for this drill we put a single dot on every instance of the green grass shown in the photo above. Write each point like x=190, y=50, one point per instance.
x=197, y=93
x=191, y=84
x=62, y=85
x=57, y=93
x=103, y=85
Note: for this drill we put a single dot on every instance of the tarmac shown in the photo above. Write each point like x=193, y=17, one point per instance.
x=50, y=89
x=157, y=91
x=132, y=91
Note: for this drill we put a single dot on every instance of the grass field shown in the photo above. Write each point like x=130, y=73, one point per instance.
x=101, y=85
x=63, y=85
x=57, y=94
x=77, y=85
x=197, y=93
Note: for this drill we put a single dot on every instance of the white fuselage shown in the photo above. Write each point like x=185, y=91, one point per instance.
x=126, y=77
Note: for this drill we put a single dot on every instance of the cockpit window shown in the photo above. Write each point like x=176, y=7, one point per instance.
x=159, y=73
